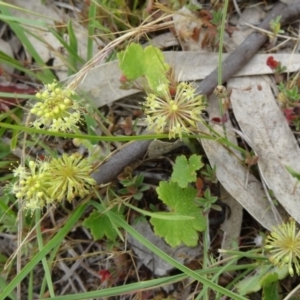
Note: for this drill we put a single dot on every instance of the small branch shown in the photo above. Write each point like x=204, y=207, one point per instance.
x=234, y=62
x=122, y=158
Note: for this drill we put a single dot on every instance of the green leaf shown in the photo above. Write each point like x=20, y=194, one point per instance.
x=293, y=172
x=255, y=282
x=207, y=202
x=184, y=171
x=270, y=286
x=74, y=46
x=270, y=292
x=130, y=61
x=180, y=202
x=155, y=67
x=252, y=283
x=136, y=62
x=269, y=278
x=100, y=224
x=4, y=150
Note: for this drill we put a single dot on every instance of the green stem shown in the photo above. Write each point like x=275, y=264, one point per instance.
x=220, y=70
x=41, y=246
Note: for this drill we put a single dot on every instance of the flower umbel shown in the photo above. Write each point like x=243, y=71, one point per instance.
x=283, y=244
x=55, y=109
x=70, y=177
x=45, y=182
x=179, y=114
x=32, y=186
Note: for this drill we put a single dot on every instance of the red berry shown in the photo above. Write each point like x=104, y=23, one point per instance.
x=272, y=63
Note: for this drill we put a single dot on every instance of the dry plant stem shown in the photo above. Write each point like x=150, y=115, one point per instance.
x=235, y=61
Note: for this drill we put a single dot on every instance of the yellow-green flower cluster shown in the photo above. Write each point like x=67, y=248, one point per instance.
x=283, y=244
x=55, y=109
x=52, y=181
x=32, y=185
x=70, y=177
x=179, y=113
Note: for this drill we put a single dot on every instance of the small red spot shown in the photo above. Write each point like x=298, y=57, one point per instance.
x=200, y=186
x=222, y=120
x=104, y=275
x=42, y=157
x=216, y=120
x=172, y=90
x=272, y=63
x=289, y=115
x=123, y=78
x=196, y=34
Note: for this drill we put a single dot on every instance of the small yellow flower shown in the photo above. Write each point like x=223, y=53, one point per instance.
x=32, y=187
x=179, y=114
x=283, y=244
x=70, y=177
x=55, y=109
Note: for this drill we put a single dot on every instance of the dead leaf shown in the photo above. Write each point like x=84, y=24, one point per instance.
x=233, y=225
x=234, y=177
x=262, y=121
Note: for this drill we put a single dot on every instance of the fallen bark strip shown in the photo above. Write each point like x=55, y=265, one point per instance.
x=234, y=62
x=122, y=158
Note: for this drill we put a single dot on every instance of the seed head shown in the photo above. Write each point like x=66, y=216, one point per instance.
x=178, y=114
